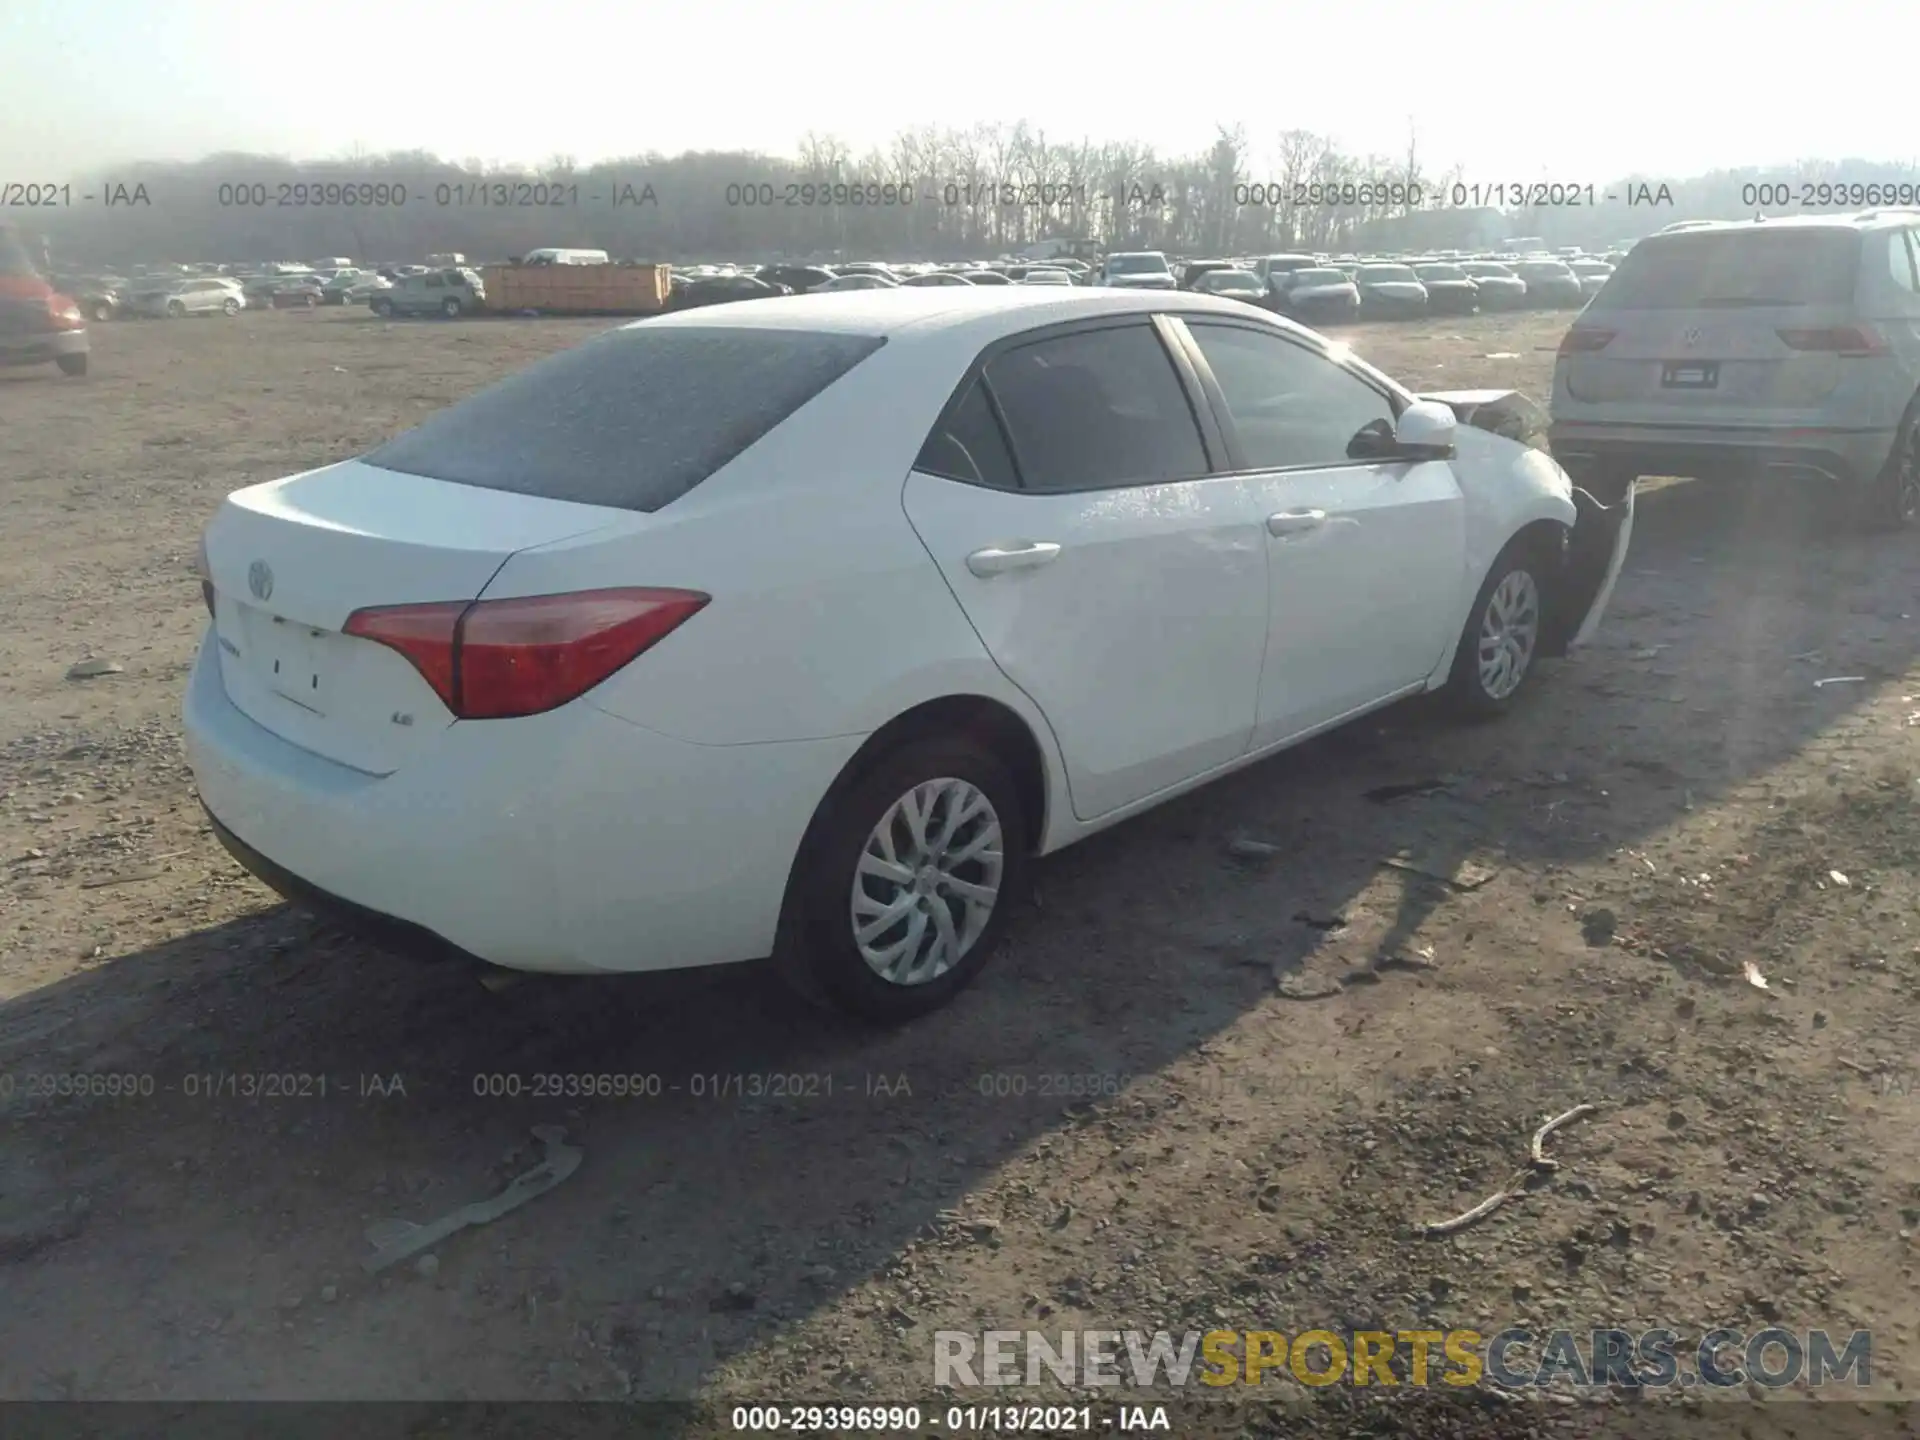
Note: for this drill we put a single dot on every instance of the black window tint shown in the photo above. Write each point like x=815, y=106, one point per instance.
x=434, y=282
x=634, y=418
x=967, y=445
x=1097, y=408
x=1289, y=405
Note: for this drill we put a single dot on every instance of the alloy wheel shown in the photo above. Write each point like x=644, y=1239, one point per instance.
x=1509, y=629
x=927, y=881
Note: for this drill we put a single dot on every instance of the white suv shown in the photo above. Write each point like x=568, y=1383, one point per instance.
x=1137, y=270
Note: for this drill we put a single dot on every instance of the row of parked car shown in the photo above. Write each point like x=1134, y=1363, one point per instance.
x=1312, y=288
x=1319, y=289
x=211, y=290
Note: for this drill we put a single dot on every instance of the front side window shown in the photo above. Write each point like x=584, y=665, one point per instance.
x=1097, y=409
x=1290, y=405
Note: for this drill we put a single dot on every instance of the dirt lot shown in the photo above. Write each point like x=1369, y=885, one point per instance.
x=1754, y=1159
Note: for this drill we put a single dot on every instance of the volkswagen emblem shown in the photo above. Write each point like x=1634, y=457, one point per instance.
x=260, y=580
x=1692, y=338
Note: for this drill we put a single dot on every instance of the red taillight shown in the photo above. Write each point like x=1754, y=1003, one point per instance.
x=1835, y=340
x=494, y=659
x=1584, y=340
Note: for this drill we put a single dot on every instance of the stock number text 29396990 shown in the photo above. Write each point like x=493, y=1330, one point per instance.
x=1314, y=194
x=807, y=194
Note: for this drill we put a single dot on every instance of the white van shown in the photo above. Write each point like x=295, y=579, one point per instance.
x=564, y=257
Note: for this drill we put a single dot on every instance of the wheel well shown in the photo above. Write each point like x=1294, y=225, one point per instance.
x=1544, y=535
x=985, y=721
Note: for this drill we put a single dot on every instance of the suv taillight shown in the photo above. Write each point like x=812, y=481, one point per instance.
x=496, y=659
x=1584, y=340
x=1835, y=340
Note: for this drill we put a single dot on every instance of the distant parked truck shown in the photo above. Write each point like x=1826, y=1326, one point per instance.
x=552, y=256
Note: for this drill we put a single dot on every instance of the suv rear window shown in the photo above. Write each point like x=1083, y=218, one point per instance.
x=1730, y=269
x=632, y=419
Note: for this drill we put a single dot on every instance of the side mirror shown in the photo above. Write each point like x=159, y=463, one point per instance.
x=1425, y=431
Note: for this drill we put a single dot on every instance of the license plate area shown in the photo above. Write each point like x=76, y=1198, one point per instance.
x=287, y=657
x=1690, y=375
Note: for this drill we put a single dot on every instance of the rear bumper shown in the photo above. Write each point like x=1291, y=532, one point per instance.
x=41, y=347
x=1842, y=456
x=570, y=842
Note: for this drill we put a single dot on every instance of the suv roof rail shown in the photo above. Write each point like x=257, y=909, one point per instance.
x=1886, y=210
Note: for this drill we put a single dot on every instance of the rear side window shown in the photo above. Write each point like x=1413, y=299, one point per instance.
x=968, y=445
x=632, y=419
x=1731, y=269
x=1097, y=408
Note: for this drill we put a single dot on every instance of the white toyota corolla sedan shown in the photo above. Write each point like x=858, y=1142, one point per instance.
x=797, y=627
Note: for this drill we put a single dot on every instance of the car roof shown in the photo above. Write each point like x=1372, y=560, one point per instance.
x=990, y=311
x=1857, y=220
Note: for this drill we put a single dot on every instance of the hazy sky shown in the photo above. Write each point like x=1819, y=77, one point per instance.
x=1542, y=89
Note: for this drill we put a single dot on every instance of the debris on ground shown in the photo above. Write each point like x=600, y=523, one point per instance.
x=1538, y=1163
x=1385, y=794
x=1463, y=875
x=1839, y=680
x=1753, y=977
x=1597, y=925
x=397, y=1240
x=1242, y=848
x=93, y=669
x=1308, y=987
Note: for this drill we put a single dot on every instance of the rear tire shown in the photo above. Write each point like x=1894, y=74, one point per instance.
x=1890, y=502
x=382, y=308
x=71, y=364
x=1501, y=639
x=176, y=309
x=230, y=308
x=101, y=312
x=450, y=308
x=920, y=856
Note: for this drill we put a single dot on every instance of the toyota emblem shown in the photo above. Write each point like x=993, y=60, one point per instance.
x=260, y=580
x=1692, y=338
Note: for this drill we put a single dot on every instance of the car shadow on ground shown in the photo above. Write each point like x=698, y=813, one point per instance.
x=763, y=1159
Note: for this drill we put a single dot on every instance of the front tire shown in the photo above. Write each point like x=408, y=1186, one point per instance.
x=450, y=308
x=1501, y=639
x=71, y=364
x=904, y=882
x=101, y=312
x=230, y=308
x=176, y=309
x=382, y=308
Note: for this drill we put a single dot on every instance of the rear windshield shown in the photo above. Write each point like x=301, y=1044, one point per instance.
x=1303, y=279
x=632, y=419
x=1715, y=269
x=1136, y=264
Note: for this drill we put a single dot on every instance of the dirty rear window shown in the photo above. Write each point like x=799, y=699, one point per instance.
x=1731, y=269
x=633, y=419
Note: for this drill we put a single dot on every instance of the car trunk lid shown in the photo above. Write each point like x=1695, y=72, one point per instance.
x=290, y=560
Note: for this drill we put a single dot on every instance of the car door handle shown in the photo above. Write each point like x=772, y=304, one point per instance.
x=1022, y=555
x=1293, y=522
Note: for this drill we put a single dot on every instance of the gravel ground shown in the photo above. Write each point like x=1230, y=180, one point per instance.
x=1136, y=1119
